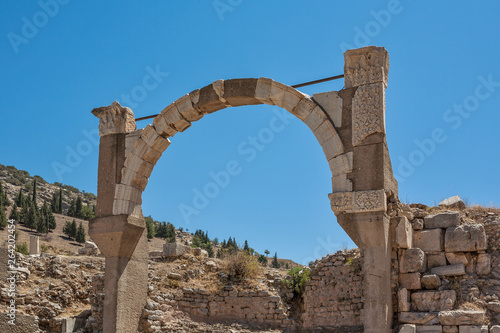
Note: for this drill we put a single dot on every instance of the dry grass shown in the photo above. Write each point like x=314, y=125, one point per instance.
x=242, y=266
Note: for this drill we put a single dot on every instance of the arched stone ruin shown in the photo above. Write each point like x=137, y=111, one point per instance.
x=350, y=127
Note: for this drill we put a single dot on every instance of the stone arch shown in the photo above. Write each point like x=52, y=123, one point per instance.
x=146, y=146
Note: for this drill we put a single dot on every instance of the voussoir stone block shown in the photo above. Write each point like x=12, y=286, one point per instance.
x=132, y=178
x=174, y=118
x=442, y=220
x=404, y=232
x=461, y=317
x=325, y=132
x=431, y=301
x=127, y=192
x=429, y=240
x=304, y=108
x=315, y=118
x=333, y=147
x=341, y=164
x=162, y=128
x=331, y=102
x=412, y=260
x=263, y=90
x=239, y=92
x=187, y=110
x=465, y=238
x=341, y=183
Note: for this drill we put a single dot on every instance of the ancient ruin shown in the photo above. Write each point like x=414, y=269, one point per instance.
x=348, y=124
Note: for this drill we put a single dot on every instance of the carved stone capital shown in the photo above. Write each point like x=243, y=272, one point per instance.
x=366, y=65
x=368, y=112
x=115, y=119
x=358, y=202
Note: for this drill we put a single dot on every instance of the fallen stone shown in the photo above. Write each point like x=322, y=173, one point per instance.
x=410, y=281
x=455, y=258
x=433, y=300
x=449, y=270
x=175, y=249
x=465, y=238
x=442, y=220
x=413, y=260
x=461, y=317
x=430, y=281
x=429, y=240
x=419, y=318
x=483, y=266
x=453, y=202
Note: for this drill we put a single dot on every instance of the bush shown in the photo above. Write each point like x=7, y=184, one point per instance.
x=44, y=247
x=297, y=279
x=22, y=248
x=242, y=266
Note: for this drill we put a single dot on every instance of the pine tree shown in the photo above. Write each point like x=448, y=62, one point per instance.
x=80, y=234
x=70, y=229
x=41, y=226
x=267, y=252
x=72, y=208
x=14, y=214
x=276, y=264
x=245, y=247
x=209, y=249
x=3, y=218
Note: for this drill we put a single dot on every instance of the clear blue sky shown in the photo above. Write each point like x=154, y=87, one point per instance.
x=59, y=62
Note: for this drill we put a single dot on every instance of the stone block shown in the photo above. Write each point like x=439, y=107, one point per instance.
x=455, y=258
x=132, y=178
x=495, y=329
x=418, y=318
x=429, y=240
x=442, y=220
x=407, y=328
x=461, y=317
x=453, y=202
x=341, y=164
x=494, y=307
x=333, y=147
x=304, y=108
x=341, y=183
x=417, y=224
x=208, y=98
x=368, y=114
x=465, y=238
x=429, y=329
x=263, y=90
x=469, y=329
x=365, y=65
x=450, y=329
x=436, y=259
x=332, y=104
x=277, y=94
x=175, y=249
x=430, y=281
x=292, y=98
x=154, y=140
x=128, y=193
x=174, y=118
x=403, y=300
x=432, y=301
x=315, y=118
x=483, y=266
x=187, y=110
x=410, y=281
x=162, y=128
x=412, y=260
x=404, y=233
x=34, y=245
x=449, y=270
x=325, y=132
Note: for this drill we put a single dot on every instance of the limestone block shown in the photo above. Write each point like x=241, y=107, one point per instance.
x=115, y=119
x=263, y=90
x=436, y=259
x=123, y=207
x=304, y=108
x=429, y=329
x=292, y=98
x=412, y=260
x=469, y=329
x=162, y=128
x=187, y=110
x=132, y=178
x=341, y=164
x=341, y=183
x=494, y=307
x=315, y=118
x=449, y=270
x=404, y=233
x=130, y=140
x=455, y=258
x=410, y=281
x=450, y=329
x=453, y=202
x=403, y=300
x=461, y=317
x=278, y=91
x=34, y=245
x=433, y=300
x=429, y=240
x=138, y=165
x=365, y=65
x=407, y=328
x=175, y=249
x=325, y=132
x=483, y=266
x=331, y=102
x=154, y=140
x=209, y=98
x=368, y=112
x=464, y=238
x=495, y=329
x=333, y=147
x=174, y=118
x=127, y=192
x=442, y=220
x=430, y=281
x=418, y=224
x=418, y=318
x=359, y=201
x=145, y=152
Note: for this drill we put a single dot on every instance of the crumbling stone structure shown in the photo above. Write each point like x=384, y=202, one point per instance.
x=350, y=127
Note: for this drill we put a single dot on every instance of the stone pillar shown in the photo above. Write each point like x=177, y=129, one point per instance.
x=120, y=238
x=34, y=245
x=362, y=211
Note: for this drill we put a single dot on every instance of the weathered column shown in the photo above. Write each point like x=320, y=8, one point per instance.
x=34, y=245
x=362, y=211
x=121, y=238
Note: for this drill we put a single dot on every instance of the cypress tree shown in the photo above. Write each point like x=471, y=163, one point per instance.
x=20, y=198
x=78, y=207
x=276, y=264
x=34, y=191
x=60, y=205
x=24, y=214
x=3, y=218
x=80, y=234
x=14, y=214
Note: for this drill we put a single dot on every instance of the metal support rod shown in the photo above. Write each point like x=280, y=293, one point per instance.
x=336, y=77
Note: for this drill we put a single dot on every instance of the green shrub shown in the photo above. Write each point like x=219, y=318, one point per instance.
x=22, y=248
x=44, y=247
x=297, y=279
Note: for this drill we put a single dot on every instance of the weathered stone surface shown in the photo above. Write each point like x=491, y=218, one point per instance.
x=450, y=329
x=332, y=104
x=494, y=306
x=436, y=259
x=23, y=323
x=464, y=238
x=341, y=164
x=368, y=109
x=461, y=317
x=442, y=220
x=404, y=233
x=429, y=240
x=455, y=258
x=403, y=300
x=114, y=119
x=495, y=329
x=407, y=328
x=412, y=260
x=417, y=224
x=366, y=65
x=419, y=318
x=175, y=249
x=34, y=245
x=449, y=270
x=453, y=202
x=469, y=329
x=433, y=300
x=359, y=201
x=483, y=266
x=410, y=281
x=430, y=281
x=429, y=329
